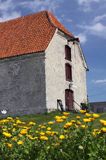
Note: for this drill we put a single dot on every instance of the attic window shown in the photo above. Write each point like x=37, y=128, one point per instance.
x=67, y=53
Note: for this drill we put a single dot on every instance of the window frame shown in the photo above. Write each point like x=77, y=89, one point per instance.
x=68, y=53
x=68, y=72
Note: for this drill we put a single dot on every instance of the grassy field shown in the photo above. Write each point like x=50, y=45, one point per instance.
x=54, y=136
x=46, y=117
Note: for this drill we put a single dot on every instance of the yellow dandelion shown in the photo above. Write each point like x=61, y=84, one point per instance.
x=23, y=131
x=31, y=123
x=14, y=138
x=82, y=111
x=42, y=133
x=61, y=137
x=9, y=118
x=67, y=125
x=4, y=129
x=78, y=122
x=20, y=135
x=91, y=119
x=83, y=126
x=73, y=121
x=9, y=145
x=55, y=132
x=52, y=133
x=103, y=130
x=66, y=113
x=18, y=121
x=59, y=120
x=13, y=130
x=20, y=142
x=43, y=127
x=96, y=115
x=64, y=117
x=31, y=138
x=6, y=134
x=103, y=122
x=78, y=117
x=45, y=138
x=48, y=132
x=51, y=122
x=86, y=120
x=48, y=128
x=88, y=114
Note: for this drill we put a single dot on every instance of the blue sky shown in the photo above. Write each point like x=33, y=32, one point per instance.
x=86, y=19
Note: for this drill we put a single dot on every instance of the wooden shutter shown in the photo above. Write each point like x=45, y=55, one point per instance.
x=68, y=70
x=67, y=52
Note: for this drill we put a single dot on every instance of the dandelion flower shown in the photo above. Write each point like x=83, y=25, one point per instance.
x=66, y=113
x=43, y=138
x=9, y=145
x=103, y=130
x=82, y=111
x=96, y=115
x=20, y=142
x=50, y=122
x=61, y=137
x=6, y=134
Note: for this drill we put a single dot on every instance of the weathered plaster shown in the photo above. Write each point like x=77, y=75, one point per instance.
x=22, y=84
x=55, y=73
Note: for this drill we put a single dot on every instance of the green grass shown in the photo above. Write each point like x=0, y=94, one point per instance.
x=46, y=117
x=40, y=118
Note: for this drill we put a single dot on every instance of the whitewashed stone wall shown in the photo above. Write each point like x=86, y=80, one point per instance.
x=79, y=77
x=55, y=73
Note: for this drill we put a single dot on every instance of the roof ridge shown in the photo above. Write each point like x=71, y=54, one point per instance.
x=59, y=25
x=48, y=16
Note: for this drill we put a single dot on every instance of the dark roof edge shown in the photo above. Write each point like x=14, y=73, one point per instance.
x=24, y=54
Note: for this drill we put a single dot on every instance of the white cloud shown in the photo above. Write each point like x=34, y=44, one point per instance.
x=81, y=2
x=6, y=5
x=101, y=81
x=86, y=5
x=7, y=16
x=8, y=8
x=82, y=37
x=99, y=18
x=69, y=20
x=41, y=5
x=97, y=29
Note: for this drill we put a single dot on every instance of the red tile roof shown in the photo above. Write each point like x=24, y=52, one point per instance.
x=28, y=34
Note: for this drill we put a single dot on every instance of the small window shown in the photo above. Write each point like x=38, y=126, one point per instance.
x=68, y=70
x=67, y=52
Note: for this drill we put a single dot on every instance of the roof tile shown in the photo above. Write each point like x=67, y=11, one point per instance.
x=28, y=34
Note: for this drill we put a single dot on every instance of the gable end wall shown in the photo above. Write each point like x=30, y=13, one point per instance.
x=55, y=73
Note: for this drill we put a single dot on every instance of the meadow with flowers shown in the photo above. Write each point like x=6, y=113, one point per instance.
x=64, y=137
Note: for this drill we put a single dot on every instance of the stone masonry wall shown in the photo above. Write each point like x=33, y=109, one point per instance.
x=98, y=107
x=22, y=84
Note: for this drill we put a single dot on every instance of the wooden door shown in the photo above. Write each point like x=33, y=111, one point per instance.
x=69, y=99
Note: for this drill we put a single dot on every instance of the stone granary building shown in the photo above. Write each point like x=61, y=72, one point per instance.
x=41, y=62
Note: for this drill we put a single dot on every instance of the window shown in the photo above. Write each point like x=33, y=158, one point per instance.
x=67, y=52
x=68, y=70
